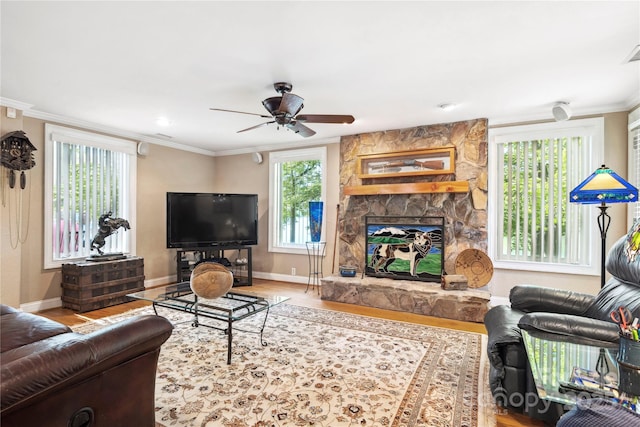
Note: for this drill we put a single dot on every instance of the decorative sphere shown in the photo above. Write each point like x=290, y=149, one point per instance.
x=210, y=280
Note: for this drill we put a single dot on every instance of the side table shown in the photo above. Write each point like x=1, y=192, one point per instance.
x=315, y=251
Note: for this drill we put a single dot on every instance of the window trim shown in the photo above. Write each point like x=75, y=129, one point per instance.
x=313, y=153
x=75, y=136
x=633, y=209
x=530, y=131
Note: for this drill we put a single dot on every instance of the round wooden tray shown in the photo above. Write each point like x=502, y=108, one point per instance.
x=476, y=266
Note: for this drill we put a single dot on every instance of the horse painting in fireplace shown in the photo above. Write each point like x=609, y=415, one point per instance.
x=404, y=248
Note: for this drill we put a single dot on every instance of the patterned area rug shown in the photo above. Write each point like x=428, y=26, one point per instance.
x=320, y=368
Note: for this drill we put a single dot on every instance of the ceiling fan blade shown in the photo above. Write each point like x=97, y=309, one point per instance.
x=325, y=118
x=301, y=129
x=256, y=126
x=241, y=112
x=290, y=104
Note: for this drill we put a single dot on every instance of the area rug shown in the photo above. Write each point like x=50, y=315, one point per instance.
x=320, y=368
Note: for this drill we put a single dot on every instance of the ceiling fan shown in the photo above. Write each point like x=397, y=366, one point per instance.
x=283, y=110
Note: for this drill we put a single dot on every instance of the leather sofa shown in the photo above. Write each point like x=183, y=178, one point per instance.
x=51, y=376
x=561, y=315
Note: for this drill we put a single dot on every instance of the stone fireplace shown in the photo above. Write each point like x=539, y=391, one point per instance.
x=459, y=197
x=465, y=213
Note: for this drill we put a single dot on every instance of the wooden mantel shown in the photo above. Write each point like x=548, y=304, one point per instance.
x=408, y=188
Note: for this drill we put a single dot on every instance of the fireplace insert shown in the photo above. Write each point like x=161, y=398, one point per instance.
x=405, y=247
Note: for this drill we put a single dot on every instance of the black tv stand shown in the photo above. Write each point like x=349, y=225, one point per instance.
x=187, y=258
x=223, y=261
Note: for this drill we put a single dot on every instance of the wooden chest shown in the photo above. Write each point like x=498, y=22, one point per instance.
x=92, y=285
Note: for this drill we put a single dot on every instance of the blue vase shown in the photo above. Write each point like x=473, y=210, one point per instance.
x=315, y=220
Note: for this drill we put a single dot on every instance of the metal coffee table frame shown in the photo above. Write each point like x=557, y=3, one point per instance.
x=552, y=362
x=230, y=308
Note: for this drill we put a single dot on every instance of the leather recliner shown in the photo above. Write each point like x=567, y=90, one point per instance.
x=51, y=376
x=564, y=316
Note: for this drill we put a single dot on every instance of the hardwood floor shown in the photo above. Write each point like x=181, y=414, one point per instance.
x=298, y=296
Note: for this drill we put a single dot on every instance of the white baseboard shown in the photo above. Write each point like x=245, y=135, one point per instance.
x=159, y=281
x=281, y=277
x=35, y=306
x=494, y=301
x=32, y=307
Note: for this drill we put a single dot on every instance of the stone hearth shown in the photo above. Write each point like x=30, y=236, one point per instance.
x=408, y=296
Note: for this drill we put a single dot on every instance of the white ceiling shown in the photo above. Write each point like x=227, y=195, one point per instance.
x=119, y=66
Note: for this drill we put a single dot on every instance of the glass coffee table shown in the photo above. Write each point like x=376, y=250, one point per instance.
x=222, y=313
x=566, y=372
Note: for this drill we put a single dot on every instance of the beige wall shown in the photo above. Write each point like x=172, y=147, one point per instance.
x=23, y=279
x=10, y=265
x=23, y=276
x=239, y=174
x=164, y=170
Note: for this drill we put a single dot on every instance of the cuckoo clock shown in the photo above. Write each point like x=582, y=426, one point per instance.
x=17, y=154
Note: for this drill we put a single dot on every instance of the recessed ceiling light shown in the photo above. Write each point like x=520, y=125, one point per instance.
x=447, y=107
x=163, y=121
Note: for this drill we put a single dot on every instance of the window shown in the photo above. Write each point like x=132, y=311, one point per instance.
x=296, y=178
x=536, y=168
x=634, y=161
x=86, y=176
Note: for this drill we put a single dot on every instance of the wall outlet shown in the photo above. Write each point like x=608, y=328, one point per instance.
x=293, y=271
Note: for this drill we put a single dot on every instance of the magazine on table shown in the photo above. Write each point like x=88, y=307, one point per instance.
x=591, y=381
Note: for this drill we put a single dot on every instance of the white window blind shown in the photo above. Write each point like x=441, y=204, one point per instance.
x=634, y=167
x=88, y=175
x=537, y=166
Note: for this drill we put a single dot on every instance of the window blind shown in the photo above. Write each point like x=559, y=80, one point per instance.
x=88, y=183
x=539, y=224
x=635, y=169
x=86, y=175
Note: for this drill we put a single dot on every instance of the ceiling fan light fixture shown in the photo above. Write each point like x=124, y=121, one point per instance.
x=272, y=104
x=447, y=107
x=283, y=110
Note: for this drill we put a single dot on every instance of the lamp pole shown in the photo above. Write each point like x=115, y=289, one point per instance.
x=603, y=224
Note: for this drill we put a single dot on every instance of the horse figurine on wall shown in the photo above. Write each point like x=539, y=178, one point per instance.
x=108, y=226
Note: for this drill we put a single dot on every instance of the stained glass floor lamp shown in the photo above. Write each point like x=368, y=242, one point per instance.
x=602, y=187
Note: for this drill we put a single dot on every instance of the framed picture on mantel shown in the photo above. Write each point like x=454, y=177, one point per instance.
x=428, y=161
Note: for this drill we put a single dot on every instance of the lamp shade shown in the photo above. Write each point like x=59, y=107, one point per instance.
x=604, y=186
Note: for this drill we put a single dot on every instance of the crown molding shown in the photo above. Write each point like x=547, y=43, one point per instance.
x=27, y=111
x=576, y=114
x=12, y=103
x=282, y=146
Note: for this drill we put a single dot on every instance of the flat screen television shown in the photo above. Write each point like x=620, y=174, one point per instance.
x=209, y=219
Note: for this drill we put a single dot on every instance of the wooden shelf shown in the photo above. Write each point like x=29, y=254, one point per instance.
x=408, y=188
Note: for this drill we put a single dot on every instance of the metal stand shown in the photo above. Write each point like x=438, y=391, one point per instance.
x=603, y=224
x=315, y=250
